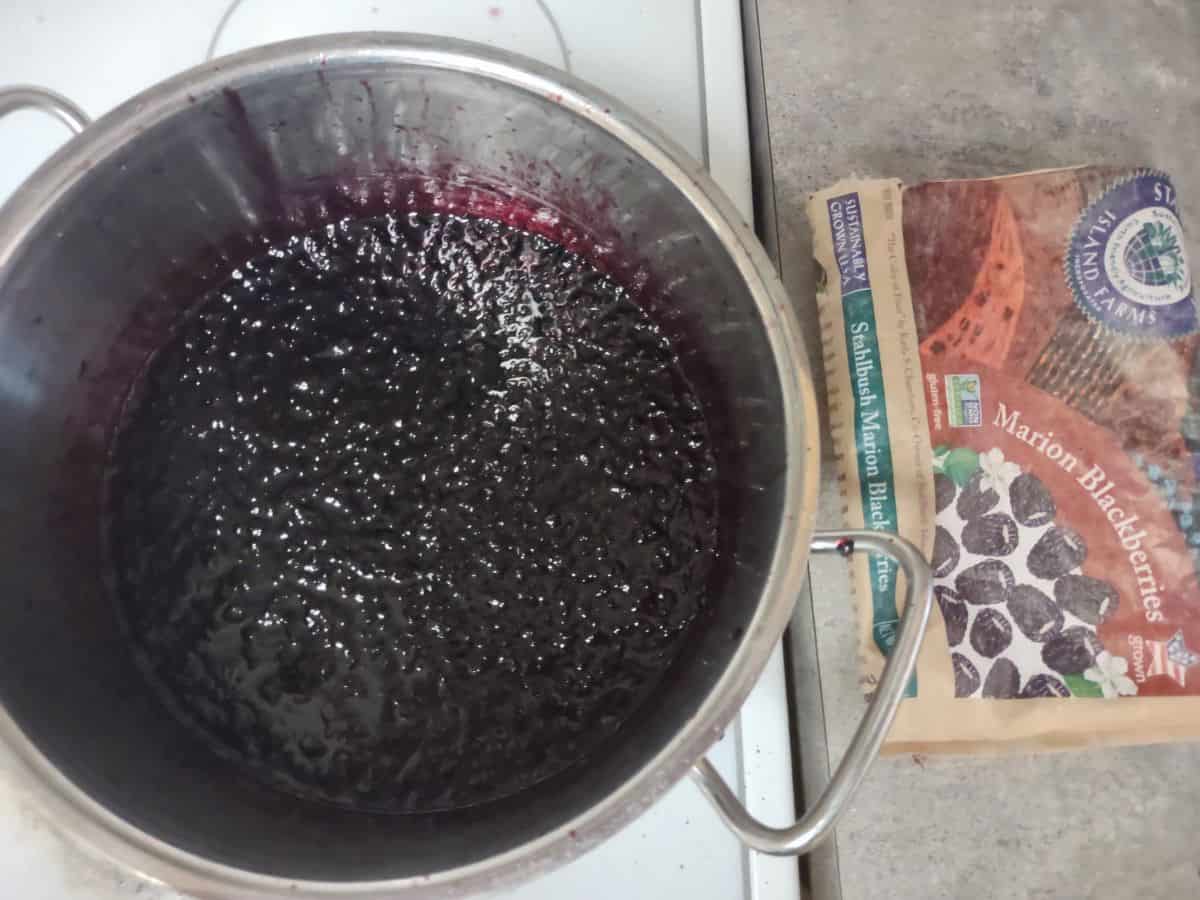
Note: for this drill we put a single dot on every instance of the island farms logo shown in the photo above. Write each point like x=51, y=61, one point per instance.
x=1126, y=262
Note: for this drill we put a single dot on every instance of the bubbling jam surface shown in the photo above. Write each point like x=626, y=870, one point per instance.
x=411, y=512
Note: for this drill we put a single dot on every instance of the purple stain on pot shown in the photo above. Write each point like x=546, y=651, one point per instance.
x=369, y=93
x=255, y=151
x=412, y=511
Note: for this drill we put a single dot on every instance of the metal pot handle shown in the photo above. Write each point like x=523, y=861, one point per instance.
x=816, y=824
x=27, y=96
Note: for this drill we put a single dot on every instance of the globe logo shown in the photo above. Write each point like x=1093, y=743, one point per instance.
x=1144, y=260
x=1155, y=258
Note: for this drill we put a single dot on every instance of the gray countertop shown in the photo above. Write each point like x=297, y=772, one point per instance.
x=922, y=90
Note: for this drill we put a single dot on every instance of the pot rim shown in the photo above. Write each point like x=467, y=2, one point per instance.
x=104, y=833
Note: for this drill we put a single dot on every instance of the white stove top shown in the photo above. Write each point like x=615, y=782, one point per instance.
x=678, y=62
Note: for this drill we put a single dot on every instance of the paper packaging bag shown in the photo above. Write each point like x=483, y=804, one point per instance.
x=1014, y=386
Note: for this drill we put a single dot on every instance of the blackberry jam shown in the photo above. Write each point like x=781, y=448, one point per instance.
x=411, y=512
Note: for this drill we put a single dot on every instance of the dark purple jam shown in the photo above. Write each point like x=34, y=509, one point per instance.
x=412, y=512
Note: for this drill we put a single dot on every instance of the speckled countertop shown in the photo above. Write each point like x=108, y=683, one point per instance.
x=921, y=90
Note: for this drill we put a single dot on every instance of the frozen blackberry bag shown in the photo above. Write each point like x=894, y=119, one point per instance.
x=1014, y=386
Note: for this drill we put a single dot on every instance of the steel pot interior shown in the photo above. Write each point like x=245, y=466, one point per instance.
x=98, y=253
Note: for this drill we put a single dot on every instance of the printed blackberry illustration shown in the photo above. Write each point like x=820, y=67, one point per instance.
x=1021, y=617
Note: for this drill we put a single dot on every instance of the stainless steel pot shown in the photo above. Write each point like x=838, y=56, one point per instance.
x=291, y=135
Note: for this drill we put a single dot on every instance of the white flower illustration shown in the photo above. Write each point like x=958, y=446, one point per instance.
x=998, y=473
x=1109, y=673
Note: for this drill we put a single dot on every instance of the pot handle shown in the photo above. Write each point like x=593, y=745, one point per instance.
x=816, y=824
x=27, y=96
